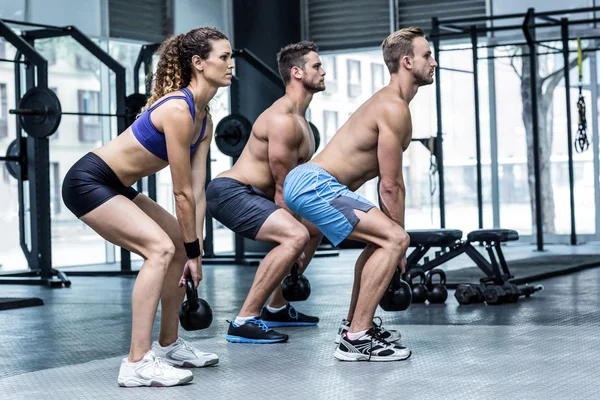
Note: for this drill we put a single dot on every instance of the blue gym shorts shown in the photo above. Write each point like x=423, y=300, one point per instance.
x=316, y=195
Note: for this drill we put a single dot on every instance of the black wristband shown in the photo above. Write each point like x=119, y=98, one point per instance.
x=192, y=249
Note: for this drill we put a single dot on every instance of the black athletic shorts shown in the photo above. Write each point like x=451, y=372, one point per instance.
x=240, y=207
x=89, y=183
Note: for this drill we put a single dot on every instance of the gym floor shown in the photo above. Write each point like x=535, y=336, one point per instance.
x=543, y=347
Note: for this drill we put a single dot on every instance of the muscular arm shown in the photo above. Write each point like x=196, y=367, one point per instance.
x=284, y=140
x=199, y=178
x=178, y=129
x=394, y=126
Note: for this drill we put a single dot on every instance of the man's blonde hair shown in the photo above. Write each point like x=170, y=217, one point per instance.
x=398, y=45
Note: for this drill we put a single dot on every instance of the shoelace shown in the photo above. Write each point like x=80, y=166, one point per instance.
x=260, y=324
x=187, y=346
x=375, y=335
x=161, y=366
x=378, y=327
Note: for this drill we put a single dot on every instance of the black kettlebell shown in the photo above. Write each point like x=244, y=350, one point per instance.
x=295, y=286
x=419, y=291
x=436, y=293
x=194, y=313
x=397, y=296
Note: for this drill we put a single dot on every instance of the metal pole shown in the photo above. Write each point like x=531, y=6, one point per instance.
x=208, y=248
x=21, y=148
x=493, y=140
x=595, y=148
x=439, y=138
x=529, y=31
x=564, y=22
x=477, y=126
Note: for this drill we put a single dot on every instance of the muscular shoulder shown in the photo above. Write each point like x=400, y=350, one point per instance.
x=393, y=113
x=391, y=106
x=280, y=124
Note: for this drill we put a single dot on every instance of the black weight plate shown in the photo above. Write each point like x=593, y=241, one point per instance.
x=14, y=167
x=133, y=105
x=232, y=133
x=45, y=124
x=316, y=134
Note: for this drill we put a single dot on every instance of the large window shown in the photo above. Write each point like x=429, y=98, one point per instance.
x=79, y=90
x=11, y=256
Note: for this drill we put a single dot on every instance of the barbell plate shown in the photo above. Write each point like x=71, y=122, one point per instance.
x=133, y=105
x=13, y=164
x=316, y=134
x=45, y=124
x=232, y=134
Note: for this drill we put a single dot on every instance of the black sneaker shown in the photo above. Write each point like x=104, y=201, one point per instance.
x=287, y=317
x=254, y=331
x=370, y=347
x=389, y=335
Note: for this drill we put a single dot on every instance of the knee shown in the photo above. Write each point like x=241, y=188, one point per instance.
x=297, y=237
x=162, y=253
x=397, y=241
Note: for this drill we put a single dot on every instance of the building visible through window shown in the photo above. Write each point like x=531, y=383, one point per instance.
x=330, y=67
x=376, y=77
x=330, y=123
x=89, y=126
x=354, y=89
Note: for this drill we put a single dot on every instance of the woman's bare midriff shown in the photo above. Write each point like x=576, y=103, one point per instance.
x=128, y=159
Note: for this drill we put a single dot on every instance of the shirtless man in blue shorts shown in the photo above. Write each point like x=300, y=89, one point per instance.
x=369, y=145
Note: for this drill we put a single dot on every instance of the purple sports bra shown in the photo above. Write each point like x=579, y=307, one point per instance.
x=153, y=139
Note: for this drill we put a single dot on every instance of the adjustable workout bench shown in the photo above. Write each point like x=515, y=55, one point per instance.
x=449, y=241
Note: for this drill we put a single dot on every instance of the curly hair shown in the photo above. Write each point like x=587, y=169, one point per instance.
x=292, y=55
x=174, y=69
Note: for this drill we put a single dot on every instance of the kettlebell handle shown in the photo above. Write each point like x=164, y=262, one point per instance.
x=192, y=295
x=412, y=274
x=295, y=272
x=434, y=272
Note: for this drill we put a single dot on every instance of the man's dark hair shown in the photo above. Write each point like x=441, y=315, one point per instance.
x=291, y=56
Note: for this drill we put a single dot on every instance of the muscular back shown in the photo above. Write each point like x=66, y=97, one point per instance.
x=280, y=140
x=355, y=152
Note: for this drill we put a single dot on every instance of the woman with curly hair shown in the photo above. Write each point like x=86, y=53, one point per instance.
x=175, y=130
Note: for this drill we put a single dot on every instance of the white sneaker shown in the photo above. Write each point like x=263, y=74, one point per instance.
x=182, y=354
x=369, y=347
x=389, y=335
x=151, y=371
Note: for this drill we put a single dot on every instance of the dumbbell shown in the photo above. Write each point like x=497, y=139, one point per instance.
x=295, y=286
x=498, y=294
x=419, y=291
x=436, y=292
x=194, y=313
x=468, y=294
x=512, y=293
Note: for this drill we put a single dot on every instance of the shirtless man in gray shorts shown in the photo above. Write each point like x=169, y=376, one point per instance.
x=369, y=145
x=248, y=198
